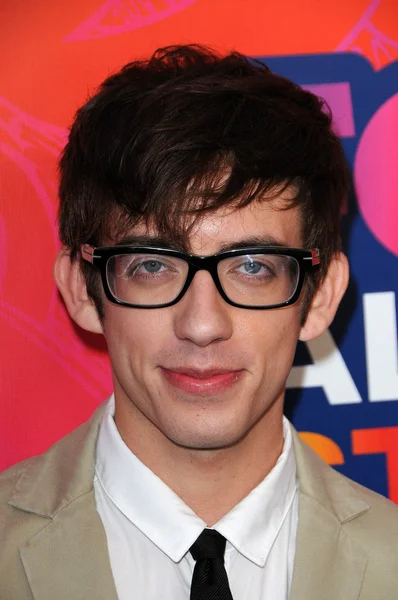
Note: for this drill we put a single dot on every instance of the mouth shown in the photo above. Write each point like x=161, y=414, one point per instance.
x=206, y=382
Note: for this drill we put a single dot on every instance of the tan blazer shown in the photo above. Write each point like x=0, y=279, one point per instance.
x=53, y=545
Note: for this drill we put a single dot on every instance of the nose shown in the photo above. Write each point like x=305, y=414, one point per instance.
x=202, y=316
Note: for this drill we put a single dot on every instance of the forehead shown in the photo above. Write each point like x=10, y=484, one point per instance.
x=209, y=233
x=258, y=220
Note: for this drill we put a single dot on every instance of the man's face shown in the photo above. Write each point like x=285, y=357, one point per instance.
x=203, y=373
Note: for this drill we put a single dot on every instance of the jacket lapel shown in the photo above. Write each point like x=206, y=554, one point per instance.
x=69, y=557
x=64, y=552
x=328, y=564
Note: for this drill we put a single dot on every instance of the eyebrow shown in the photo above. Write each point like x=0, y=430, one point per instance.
x=149, y=241
x=253, y=242
x=164, y=243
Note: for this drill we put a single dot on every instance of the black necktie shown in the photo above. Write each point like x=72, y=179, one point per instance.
x=209, y=580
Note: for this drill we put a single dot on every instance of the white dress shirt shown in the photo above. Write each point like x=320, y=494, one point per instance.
x=149, y=529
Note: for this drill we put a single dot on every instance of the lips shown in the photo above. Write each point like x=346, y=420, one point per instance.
x=203, y=382
x=198, y=374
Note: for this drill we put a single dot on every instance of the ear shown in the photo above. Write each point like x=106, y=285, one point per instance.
x=72, y=286
x=326, y=299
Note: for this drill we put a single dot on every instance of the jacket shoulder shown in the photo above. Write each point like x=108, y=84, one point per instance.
x=376, y=527
x=9, y=476
x=34, y=491
x=64, y=468
x=15, y=527
x=9, y=479
x=376, y=533
x=368, y=518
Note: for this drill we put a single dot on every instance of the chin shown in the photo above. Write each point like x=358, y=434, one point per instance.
x=206, y=439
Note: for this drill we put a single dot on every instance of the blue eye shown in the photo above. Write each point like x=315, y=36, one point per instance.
x=253, y=268
x=151, y=266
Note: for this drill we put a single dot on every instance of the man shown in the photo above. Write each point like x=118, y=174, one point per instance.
x=200, y=200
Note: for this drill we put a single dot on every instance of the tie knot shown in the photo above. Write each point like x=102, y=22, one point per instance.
x=210, y=544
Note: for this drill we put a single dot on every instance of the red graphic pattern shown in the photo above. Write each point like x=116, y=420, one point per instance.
x=118, y=16
x=367, y=39
x=380, y=440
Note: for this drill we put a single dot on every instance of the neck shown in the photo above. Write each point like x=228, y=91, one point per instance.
x=210, y=482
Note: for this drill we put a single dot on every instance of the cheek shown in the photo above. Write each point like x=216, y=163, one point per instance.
x=273, y=337
x=134, y=335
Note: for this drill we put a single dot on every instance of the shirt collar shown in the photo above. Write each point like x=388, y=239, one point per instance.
x=141, y=495
x=251, y=526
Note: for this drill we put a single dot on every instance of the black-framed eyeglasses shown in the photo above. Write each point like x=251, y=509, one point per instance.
x=257, y=278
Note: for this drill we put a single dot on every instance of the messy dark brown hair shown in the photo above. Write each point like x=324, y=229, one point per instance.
x=151, y=144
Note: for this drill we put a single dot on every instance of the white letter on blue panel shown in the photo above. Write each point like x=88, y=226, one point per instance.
x=381, y=346
x=329, y=372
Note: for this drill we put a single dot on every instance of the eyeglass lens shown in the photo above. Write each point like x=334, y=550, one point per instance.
x=249, y=279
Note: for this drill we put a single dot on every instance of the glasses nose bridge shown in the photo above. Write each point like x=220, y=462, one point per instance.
x=204, y=263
